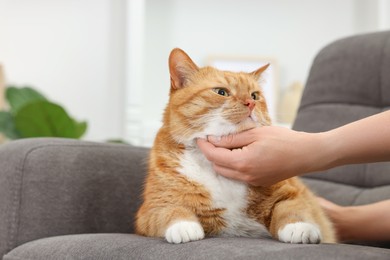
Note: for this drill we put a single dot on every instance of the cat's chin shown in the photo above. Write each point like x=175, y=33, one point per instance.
x=247, y=124
x=219, y=129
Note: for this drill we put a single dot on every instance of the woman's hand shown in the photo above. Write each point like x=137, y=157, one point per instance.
x=260, y=156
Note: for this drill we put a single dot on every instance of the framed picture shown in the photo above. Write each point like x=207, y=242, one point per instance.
x=249, y=64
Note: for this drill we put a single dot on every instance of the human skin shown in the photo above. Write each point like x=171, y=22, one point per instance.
x=365, y=222
x=266, y=155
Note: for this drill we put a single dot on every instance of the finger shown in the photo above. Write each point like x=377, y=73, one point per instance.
x=235, y=140
x=229, y=173
x=218, y=155
x=233, y=174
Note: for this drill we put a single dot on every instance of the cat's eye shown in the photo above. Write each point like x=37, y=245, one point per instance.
x=255, y=95
x=221, y=91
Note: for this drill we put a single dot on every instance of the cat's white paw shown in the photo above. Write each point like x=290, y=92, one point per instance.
x=300, y=233
x=184, y=231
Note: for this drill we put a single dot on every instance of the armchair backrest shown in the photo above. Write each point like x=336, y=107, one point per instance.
x=349, y=80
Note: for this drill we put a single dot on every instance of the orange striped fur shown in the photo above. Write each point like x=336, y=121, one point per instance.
x=185, y=200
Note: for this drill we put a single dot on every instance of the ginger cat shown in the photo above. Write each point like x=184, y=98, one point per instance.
x=185, y=200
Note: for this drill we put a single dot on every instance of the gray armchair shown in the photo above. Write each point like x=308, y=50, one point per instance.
x=349, y=80
x=68, y=199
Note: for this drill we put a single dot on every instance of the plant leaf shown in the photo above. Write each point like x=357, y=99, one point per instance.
x=80, y=127
x=46, y=119
x=7, y=126
x=18, y=97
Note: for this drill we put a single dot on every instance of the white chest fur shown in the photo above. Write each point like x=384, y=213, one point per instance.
x=228, y=194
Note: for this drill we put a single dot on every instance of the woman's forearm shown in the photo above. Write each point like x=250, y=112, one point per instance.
x=369, y=222
x=363, y=141
x=366, y=219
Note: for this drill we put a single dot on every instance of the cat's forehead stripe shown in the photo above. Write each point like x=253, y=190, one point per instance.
x=241, y=81
x=189, y=98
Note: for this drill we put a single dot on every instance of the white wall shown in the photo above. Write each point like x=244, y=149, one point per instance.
x=289, y=32
x=82, y=54
x=72, y=51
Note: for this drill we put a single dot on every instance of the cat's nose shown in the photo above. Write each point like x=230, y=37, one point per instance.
x=250, y=104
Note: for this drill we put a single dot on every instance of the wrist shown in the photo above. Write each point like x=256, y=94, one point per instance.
x=318, y=152
x=327, y=151
x=345, y=225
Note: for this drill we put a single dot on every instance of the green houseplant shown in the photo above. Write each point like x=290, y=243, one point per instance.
x=30, y=114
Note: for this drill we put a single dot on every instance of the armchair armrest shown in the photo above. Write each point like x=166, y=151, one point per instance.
x=51, y=186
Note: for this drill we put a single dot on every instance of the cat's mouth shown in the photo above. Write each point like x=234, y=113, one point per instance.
x=249, y=119
x=247, y=123
x=252, y=116
x=244, y=120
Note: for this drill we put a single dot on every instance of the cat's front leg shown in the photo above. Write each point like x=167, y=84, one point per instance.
x=292, y=222
x=175, y=223
x=300, y=233
x=184, y=231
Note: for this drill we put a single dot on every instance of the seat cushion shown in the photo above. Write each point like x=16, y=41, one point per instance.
x=130, y=246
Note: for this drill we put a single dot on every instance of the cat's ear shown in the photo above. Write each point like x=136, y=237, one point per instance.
x=180, y=68
x=257, y=73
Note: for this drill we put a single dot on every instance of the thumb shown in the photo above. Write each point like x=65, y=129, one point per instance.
x=234, y=140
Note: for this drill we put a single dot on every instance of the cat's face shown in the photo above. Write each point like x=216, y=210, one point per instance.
x=206, y=101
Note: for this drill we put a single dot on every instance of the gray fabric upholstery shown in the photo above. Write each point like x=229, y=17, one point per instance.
x=349, y=80
x=68, y=199
x=52, y=187
x=129, y=246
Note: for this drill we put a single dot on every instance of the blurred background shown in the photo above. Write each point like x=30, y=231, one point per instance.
x=105, y=61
